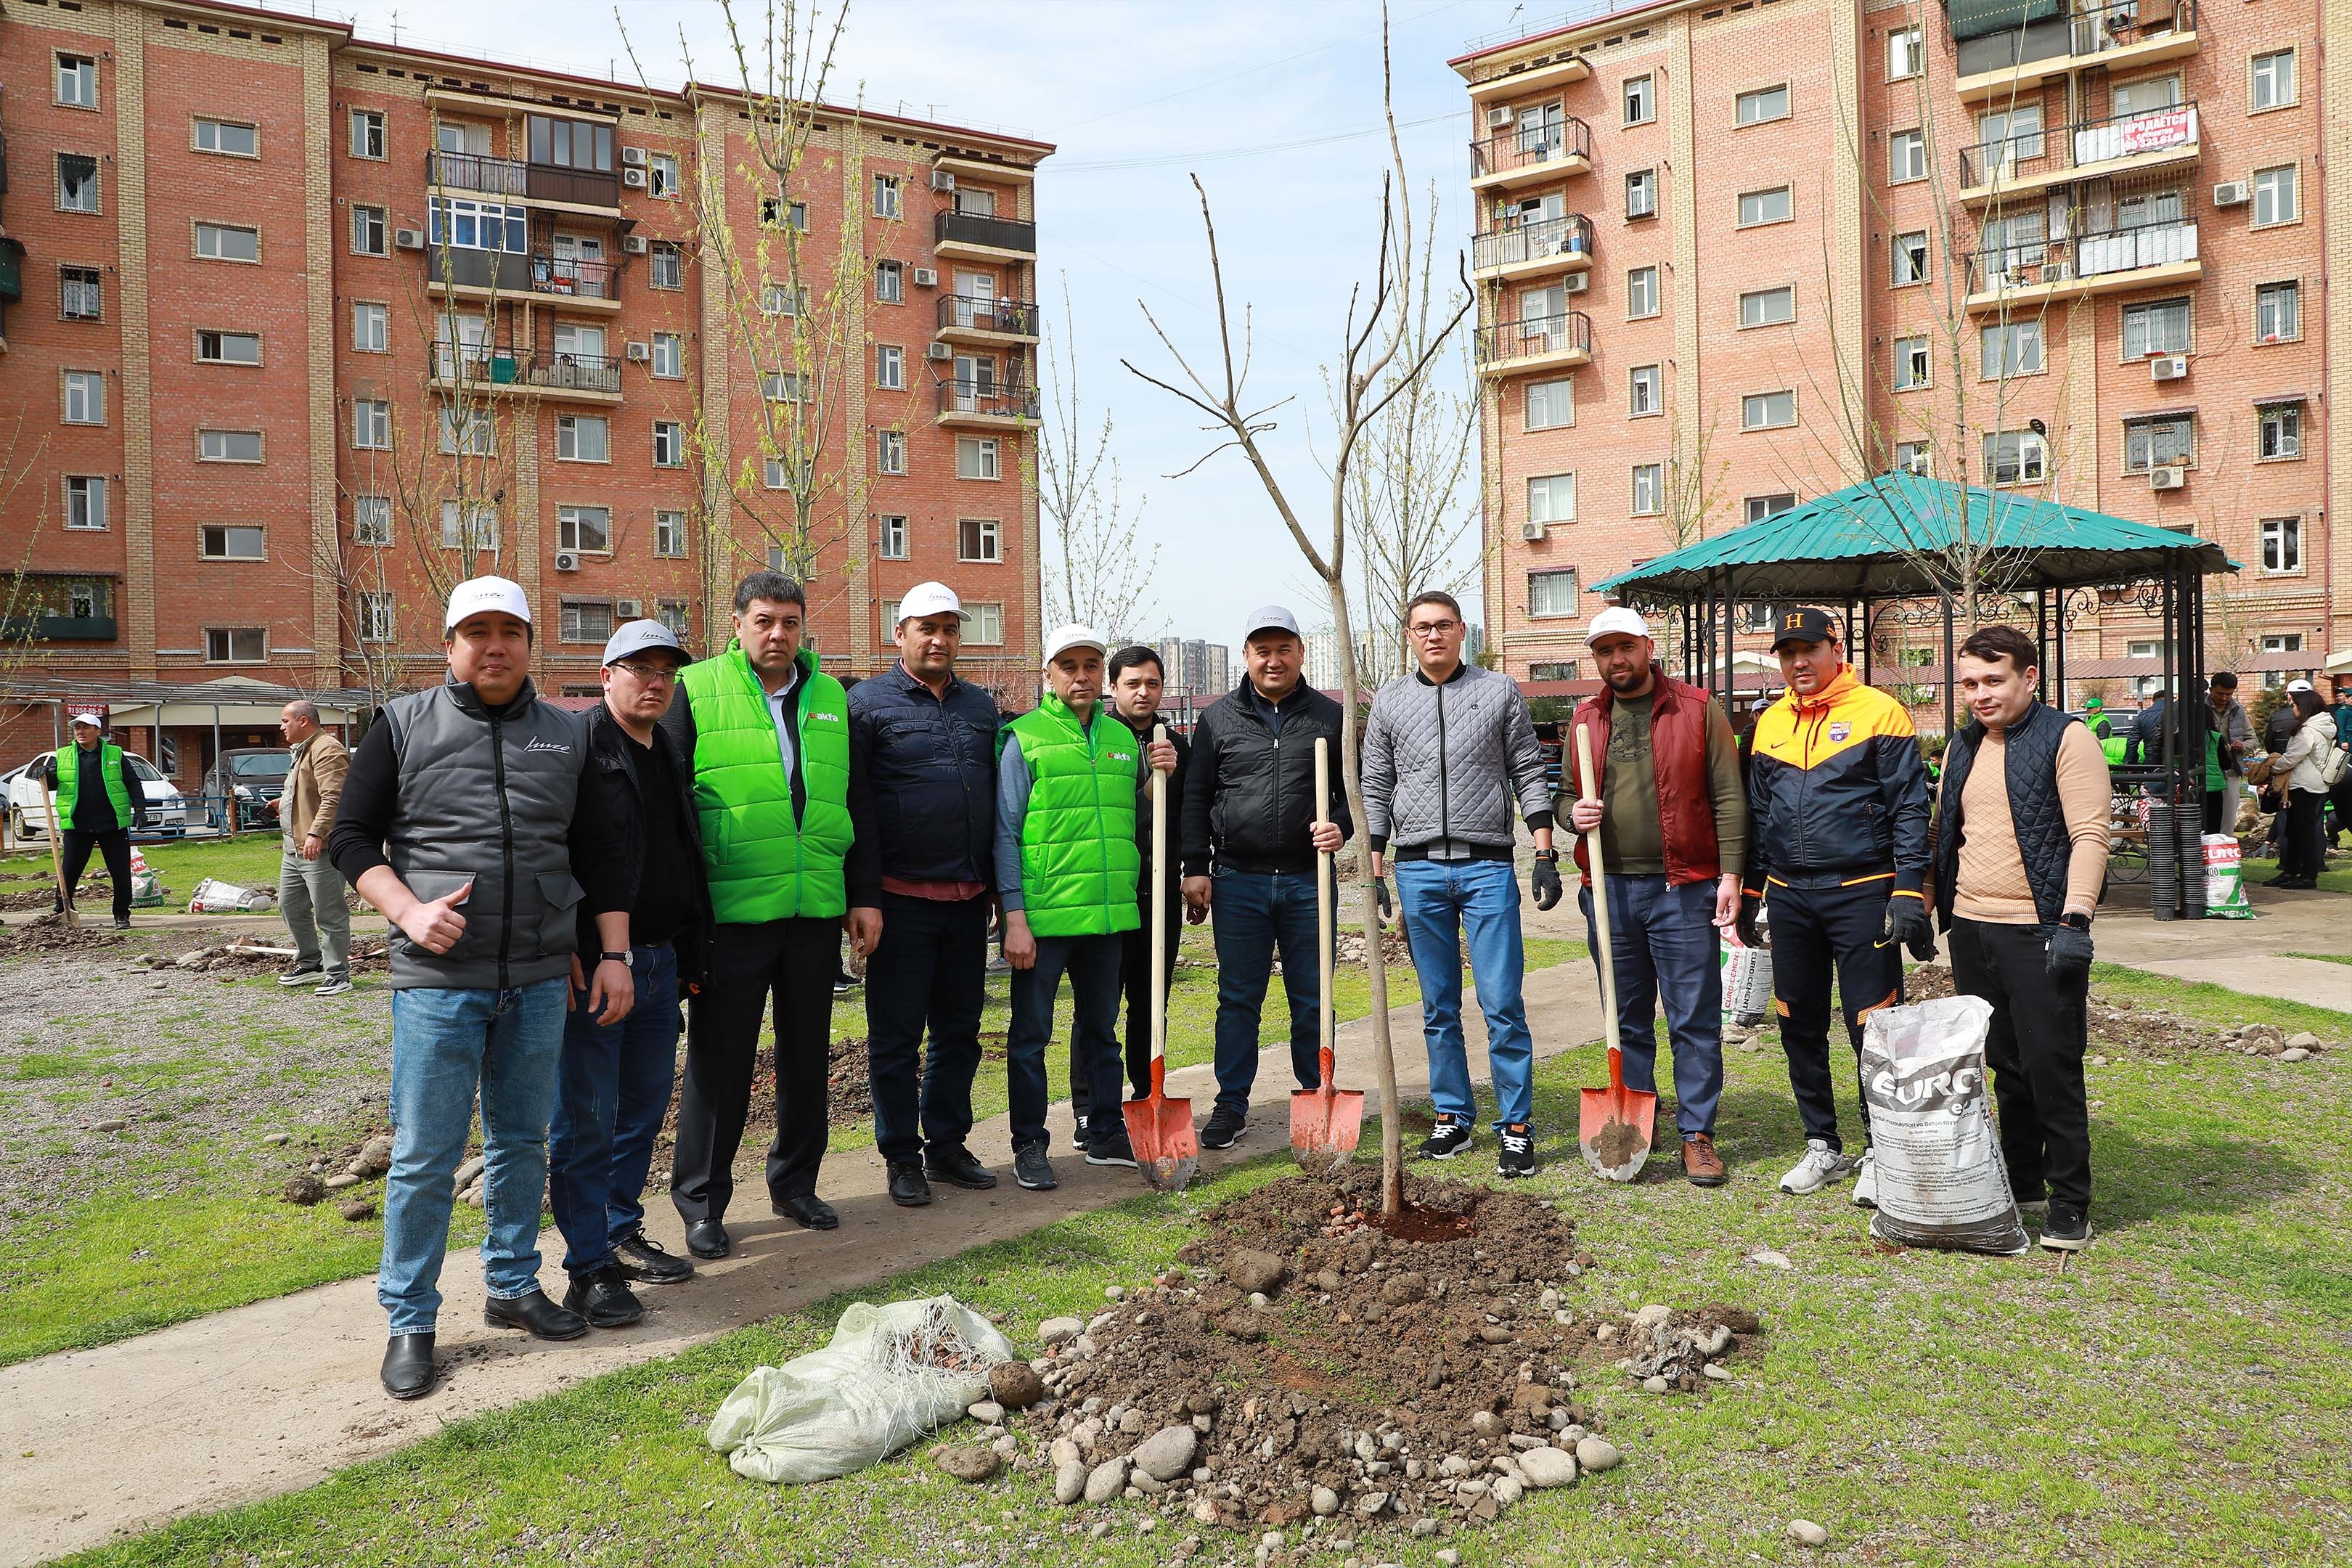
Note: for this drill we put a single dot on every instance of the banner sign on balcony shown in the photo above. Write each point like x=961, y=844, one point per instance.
x=2166, y=127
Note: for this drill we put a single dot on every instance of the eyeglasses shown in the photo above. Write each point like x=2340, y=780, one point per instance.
x=1435, y=629
x=651, y=674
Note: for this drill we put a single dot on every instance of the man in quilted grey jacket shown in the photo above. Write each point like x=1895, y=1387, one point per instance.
x=1444, y=751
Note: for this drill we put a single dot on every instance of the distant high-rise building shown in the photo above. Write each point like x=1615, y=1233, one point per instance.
x=1194, y=668
x=1323, y=660
x=1216, y=669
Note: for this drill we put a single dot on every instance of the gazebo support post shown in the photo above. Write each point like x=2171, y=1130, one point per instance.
x=1730, y=636
x=1869, y=640
x=1948, y=667
x=2042, y=639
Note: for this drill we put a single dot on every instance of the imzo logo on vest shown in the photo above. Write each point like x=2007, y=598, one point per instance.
x=535, y=744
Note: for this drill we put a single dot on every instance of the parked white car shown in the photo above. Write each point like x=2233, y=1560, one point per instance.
x=28, y=812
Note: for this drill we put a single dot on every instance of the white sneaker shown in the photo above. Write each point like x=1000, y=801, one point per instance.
x=1866, y=1181
x=1820, y=1167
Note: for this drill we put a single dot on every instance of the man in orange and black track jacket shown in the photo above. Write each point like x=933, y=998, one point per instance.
x=1837, y=851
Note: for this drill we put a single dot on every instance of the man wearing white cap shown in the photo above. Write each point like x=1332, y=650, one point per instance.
x=1672, y=814
x=466, y=819
x=1067, y=869
x=98, y=802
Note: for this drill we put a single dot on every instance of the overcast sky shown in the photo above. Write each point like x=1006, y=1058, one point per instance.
x=1275, y=105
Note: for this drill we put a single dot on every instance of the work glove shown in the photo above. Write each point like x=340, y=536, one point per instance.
x=1744, y=925
x=2068, y=965
x=1388, y=909
x=1908, y=922
x=1545, y=880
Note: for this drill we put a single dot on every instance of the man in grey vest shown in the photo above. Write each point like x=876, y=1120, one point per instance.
x=464, y=821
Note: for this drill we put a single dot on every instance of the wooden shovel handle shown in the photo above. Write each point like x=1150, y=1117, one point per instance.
x=1159, y=912
x=1325, y=928
x=1588, y=784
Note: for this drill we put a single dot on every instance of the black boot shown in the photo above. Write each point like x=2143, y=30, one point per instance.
x=604, y=1298
x=408, y=1366
x=535, y=1314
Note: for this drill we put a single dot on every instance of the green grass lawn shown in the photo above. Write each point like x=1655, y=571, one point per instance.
x=2175, y=1396
x=2337, y=878
x=249, y=860
x=2323, y=957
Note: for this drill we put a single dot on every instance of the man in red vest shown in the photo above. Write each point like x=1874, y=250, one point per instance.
x=1672, y=816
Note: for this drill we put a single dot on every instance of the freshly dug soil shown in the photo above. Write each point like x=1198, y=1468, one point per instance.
x=50, y=933
x=2117, y=1028
x=242, y=960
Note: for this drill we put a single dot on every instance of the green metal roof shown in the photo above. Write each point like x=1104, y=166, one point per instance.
x=1975, y=18
x=1868, y=540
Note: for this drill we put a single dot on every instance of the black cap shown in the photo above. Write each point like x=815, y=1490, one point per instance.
x=1807, y=626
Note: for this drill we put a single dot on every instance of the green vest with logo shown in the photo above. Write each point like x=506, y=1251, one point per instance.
x=2104, y=729
x=1079, y=862
x=766, y=861
x=110, y=768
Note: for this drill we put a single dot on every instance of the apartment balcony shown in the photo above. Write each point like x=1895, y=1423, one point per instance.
x=972, y=237
x=1533, y=249
x=986, y=406
x=2025, y=278
x=528, y=372
x=466, y=274
x=978, y=318
x=537, y=185
x=1539, y=342
x=1530, y=156
x=2119, y=146
x=1998, y=57
x=1529, y=76
x=42, y=626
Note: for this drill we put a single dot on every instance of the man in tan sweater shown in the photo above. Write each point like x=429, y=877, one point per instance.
x=309, y=888
x=2021, y=851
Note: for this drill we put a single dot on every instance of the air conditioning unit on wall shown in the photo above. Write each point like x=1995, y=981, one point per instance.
x=1531, y=529
x=636, y=244
x=641, y=352
x=1498, y=120
x=567, y=561
x=927, y=277
x=632, y=157
x=1576, y=283
x=408, y=238
x=2232, y=193
x=629, y=609
x=633, y=178
x=940, y=352
x=2168, y=478
x=941, y=180
x=2168, y=367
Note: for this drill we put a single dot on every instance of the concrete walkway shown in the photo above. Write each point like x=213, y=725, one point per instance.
x=2243, y=956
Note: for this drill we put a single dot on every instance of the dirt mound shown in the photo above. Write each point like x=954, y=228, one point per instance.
x=50, y=933
x=243, y=960
x=2118, y=1027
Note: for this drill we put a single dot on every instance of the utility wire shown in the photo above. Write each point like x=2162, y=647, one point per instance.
x=1222, y=154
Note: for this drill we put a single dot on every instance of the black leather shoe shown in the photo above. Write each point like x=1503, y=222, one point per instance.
x=959, y=1167
x=812, y=1211
x=708, y=1239
x=642, y=1260
x=604, y=1298
x=908, y=1188
x=536, y=1315
x=408, y=1366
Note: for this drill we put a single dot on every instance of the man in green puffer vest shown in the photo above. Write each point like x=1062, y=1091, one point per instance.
x=786, y=842
x=98, y=803
x=1067, y=865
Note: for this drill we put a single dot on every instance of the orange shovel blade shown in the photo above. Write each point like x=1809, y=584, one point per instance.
x=1614, y=1128
x=1326, y=1124
x=1166, y=1148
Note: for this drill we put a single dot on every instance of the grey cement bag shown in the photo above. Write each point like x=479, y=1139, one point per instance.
x=1941, y=1180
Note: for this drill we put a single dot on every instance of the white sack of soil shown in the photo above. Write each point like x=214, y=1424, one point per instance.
x=891, y=1374
x=1941, y=1182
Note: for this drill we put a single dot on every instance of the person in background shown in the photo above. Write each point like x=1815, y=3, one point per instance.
x=2021, y=853
x=99, y=802
x=2340, y=798
x=309, y=888
x=2278, y=730
x=2303, y=854
x=2103, y=729
x=2144, y=745
x=2229, y=736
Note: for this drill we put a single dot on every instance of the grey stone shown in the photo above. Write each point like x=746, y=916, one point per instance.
x=1059, y=1332
x=1167, y=1453
x=1718, y=1371
x=2295, y=1054
x=1597, y=1454
x=1547, y=1468
x=2303, y=1040
x=1114, y=1292
x=1251, y=1269
x=1488, y=1425
x=1657, y=1385
x=1453, y=1465
x=1372, y=1503
x=1805, y=1532
x=968, y=1464
x=1509, y=1490
x=1106, y=1481
x=987, y=1412
x=275, y=1139
x=1650, y=1317
x=467, y=1172
x=337, y=1183
x=1063, y=1452
x=1324, y=1502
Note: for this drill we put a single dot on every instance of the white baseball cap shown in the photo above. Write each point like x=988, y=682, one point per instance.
x=92, y=720
x=1616, y=621
x=1063, y=638
x=637, y=636
x=931, y=599
x=1272, y=618
x=480, y=595
x=2291, y=686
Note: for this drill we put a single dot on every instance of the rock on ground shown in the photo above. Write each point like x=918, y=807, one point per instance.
x=966, y=1463
x=1069, y=1482
x=1548, y=1468
x=1596, y=1453
x=1805, y=1532
x=1167, y=1453
x=1059, y=1332
x=1015, y=1387
x=1250, y=1271
x=1106, y=1481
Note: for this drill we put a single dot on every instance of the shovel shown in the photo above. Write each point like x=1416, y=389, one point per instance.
x=57, y=854
x=1326, y=1122
x=1160, y=1129
x=1615, y=1124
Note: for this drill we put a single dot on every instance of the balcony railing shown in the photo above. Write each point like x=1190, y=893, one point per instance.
x=512, y=177
x=41, y=625
x=996, y=233
x=1567, y=236
x=512, y=271
x=982, y=313
x=989, y=398
x=1570, y=331
x=2026, y=154
x=1531, y=147
x=487, y=367
x=2097, y=29
x=572, y=371
x=578, y=187
x=2061, y=260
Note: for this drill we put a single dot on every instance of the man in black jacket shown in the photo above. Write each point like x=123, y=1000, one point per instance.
x=922, y=747
x=615, y=1077
x=1250, y=844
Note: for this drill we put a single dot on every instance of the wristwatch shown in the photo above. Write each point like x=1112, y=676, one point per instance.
x=1550, y=855
x=625, y=959
x=2078, y=919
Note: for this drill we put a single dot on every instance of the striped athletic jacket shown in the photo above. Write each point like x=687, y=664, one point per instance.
x=1836, y=791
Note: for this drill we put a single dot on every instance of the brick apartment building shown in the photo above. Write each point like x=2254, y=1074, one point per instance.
x=301, y=327
x=1727, y=247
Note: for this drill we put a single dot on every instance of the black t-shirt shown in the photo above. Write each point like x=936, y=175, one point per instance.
x=664, y=901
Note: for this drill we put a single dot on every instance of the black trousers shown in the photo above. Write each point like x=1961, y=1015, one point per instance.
x=930, y=970
x=2040, y=1031
x=2214, y=799
x=1818, y=932
x=2302, y=852
x=1135, y=984
x=115, y=846
x=790, y=963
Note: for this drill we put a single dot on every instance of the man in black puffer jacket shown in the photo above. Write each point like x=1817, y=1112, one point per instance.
x=1250, y=847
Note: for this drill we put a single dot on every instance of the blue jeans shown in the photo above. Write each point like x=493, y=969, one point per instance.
x=1442, y=902
x=614, y=1091
x=1093, y=963
x=1253, y=911
x=1663, y=940
x=446, y=1044
x=930, y=970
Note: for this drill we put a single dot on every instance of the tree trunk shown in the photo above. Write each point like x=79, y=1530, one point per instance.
x=1351, y=776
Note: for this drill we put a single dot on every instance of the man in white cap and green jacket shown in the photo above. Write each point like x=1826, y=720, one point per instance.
x=1067, y=865
x=98, y=803
x=765, y=734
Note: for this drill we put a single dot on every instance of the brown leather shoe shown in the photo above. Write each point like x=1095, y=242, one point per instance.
x=1701, y=1164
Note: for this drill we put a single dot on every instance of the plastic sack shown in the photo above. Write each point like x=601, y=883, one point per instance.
x=892, y=1374
x=1747, y=983
x=1941, y=1179
x=2225, y=886
x=146, y=888
x=215, y=897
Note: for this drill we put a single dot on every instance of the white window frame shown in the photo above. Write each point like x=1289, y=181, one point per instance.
x=570, y=522
x=218, y=125
x=470, y=432
x=669, y=443
x=217, y=232
x=2151, y=314
x=211, y=446
x=890, y=452
x=891, y=533
x=1649, y=489
x=86, y=500
x=2006, y=349
x=371, y=230
x=1638, y=92
x=1914, y=364
x=1552, y=498
x=370, y=425
x=2282, y=545
x=668, y=356
x=1906, y=156
x=1786, y=292
x=2142, y=432
x=889, y=196
x=1913, y=457
x=1788, y=194
x=1642, y=183
x=987, y=536
x=987, y=628
x=665, y=265
x=669, y=533
x=85, y=389
x=371, y=520
x=208, y=533
x=2279, y=182
x=1558, y=395
x=661, y=176
x=2264, y=72
x=889, y=282
x=1907, y=52
x=367, y=135
x=377, y=615
x=97, y=184
x=1906, y=274
x=978, y=458
x=2278, y=425
x=1756, y=410
x=1642, y=283
x=574, y=624
x=1645, y=391
x=86, y=287
x=1758, y=508
x=370, y=327
x=1546, y=600
x=74, y=68
x=227, y=648
x=221, y=340
x=2032, y=456
x=890, y=367
x=2265, y=298
x=569, y=430
x=1760, y=99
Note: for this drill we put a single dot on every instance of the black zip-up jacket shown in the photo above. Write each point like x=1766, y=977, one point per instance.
x=1249, y=802
x=928, y=767
x=1176, y=783
x=614, y=775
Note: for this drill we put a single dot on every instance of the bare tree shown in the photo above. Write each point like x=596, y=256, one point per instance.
x=1379, y=362
x=1097, y=568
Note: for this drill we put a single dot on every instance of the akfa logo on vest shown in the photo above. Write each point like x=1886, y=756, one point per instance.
x=822, y=714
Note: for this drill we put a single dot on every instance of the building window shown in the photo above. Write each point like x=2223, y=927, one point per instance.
x=85, y=397
x=1553, y=669
x=1768, y=307
x=2009, y=348
x=1907, y=52
x=2159, y=327
x=370, y=329
x=889, y=283
x=1913, y=364
x=228, y=348
x=2281, y=425
x=1764, y=103
x=1764, y=207
x=228, y=242
x=1911, y=458
x=1641, y=292
x=894, y=538
x=2282, y=544
x=889, y=367
x=367, y=133
x=79, y=296
x=669, y=357
x=77, y=81
x=228, y=138
x=1642, y=193
x=235, y=645
x=86, y=503
x=973, y=201
x=1649, y=489
x=782, y=300
x=373, y=612
x=2278, y=312
x=2158, y=443
x=586, y=620
x=1550, y=404
x=1644, y=391
x=367, y=231
x=890, y=451
x=665, y=265
x=975, y=457
x=470, y=224
x=467, y=431
x=1907, y=157
x=1910, y=254
x=781, y=386
x=226, y=542
x=771, y=473
x=372, y=520
x=887, y=202
x=2276, y=196
x=661, y=176
x=670, y=535
x=669, y=443
x=1767, y=410
x=584, y=528
x=370, y=425
x=77, y=182
x=1552, y=498
x=977, y=539
x=795, y=215
x=672, y=612
x=2015, y=457
x=1761, y=507
x=229, y=446
x=583, y=438
x=2273, y=82
x=986, y=628
x=1640, y=101
x=568, y=144
x=1551, y=594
